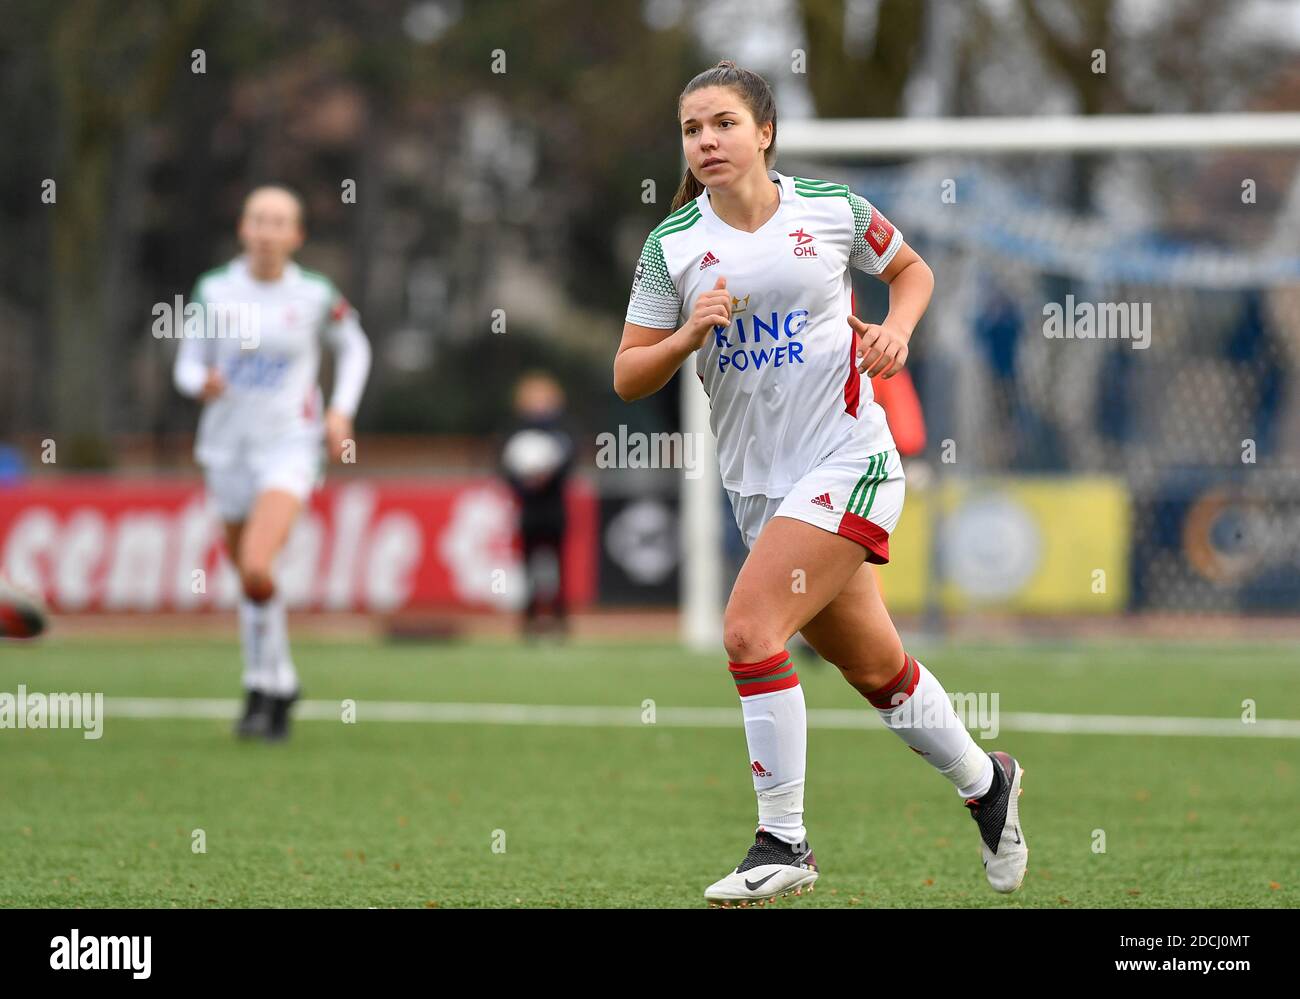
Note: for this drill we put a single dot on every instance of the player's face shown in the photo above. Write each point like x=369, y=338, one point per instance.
x=719, y=136
x=271, y=228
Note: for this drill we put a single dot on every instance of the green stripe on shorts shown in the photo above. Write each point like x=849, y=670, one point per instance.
x=864, y=493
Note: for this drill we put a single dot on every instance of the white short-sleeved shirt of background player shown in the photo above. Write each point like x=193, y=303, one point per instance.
x=798, y=431
x=266, y=429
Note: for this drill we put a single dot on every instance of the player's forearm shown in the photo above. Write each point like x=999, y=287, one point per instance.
x=351, y=368
x=909, y=295
x=643, y=371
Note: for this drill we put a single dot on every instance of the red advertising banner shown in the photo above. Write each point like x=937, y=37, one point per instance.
x=102, y=544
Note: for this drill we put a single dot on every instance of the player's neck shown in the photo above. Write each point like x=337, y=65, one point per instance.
x=748, y=203
x=266, y=270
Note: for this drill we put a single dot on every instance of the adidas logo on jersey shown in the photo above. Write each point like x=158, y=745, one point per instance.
x=824, y=500
x=803, y=243
x=760, y=770
x=709, y=260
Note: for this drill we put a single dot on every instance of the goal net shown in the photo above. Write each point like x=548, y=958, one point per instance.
x=1108, y=369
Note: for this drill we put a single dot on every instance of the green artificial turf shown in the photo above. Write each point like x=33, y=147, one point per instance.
x=378, y=813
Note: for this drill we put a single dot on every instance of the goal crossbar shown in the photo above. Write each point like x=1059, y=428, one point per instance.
x=874, y=138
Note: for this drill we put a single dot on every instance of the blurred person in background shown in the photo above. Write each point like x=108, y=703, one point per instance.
x=536, y=461
x=263, y=438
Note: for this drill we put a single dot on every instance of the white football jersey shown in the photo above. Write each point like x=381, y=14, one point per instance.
x=782, y=380
x=265, y=338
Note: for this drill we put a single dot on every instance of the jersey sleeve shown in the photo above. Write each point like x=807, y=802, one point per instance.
x=875, y=240
x=352, y=354
x=190, y=372
x=655, y=301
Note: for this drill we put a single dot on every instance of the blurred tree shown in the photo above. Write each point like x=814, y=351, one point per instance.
x=849, y=84
x=111, y=63
x=1072, y=51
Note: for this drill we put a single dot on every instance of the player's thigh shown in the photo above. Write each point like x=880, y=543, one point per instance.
x=267, y=527
x=234, y=530
x=792, y=572
x=284, y=476
x=855, y=633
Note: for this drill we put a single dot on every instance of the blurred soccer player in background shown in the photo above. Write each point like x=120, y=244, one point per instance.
x=253, y=358
x=536, y=462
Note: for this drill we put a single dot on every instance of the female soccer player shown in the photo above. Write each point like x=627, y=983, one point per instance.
x=750, y=274
x=253, y=358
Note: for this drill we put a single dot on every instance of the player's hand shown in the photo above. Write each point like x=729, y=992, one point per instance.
x=713, y=308
x=338, y=431
x=883, y=348
x=214, y=385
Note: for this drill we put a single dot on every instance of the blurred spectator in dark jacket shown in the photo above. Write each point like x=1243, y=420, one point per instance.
x=536, y=461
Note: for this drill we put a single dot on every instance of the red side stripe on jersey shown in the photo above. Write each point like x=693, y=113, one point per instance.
x=852, y=384
x=310, y=404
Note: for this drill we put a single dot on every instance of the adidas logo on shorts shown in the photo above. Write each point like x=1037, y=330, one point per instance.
x=824, y=500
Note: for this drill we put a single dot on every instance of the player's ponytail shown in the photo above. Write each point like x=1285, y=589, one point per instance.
x=756, y=96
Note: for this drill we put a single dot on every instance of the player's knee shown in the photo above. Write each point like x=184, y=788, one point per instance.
x=747, y=640
x=257, y=583
x=872, y=669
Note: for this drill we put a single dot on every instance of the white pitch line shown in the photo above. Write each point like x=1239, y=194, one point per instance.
x=580, y=717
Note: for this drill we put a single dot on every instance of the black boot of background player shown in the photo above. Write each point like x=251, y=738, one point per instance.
x=278, y=717
x=256, y=717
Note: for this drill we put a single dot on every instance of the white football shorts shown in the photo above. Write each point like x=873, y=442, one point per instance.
x=296, y=467
x=857, y=496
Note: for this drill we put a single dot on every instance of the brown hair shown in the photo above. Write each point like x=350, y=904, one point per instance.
x=754, y=93
x=284, y=189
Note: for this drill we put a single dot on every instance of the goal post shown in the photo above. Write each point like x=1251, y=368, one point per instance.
x=858, y=141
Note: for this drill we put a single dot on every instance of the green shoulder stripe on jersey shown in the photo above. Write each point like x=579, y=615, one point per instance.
x=819, y=185
x=312, y=275
x=676, y=223
x=684, y=210
x=215, y=272
x=679, y=226
x=197, y=293
x=817, y=192
x=207, y=276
